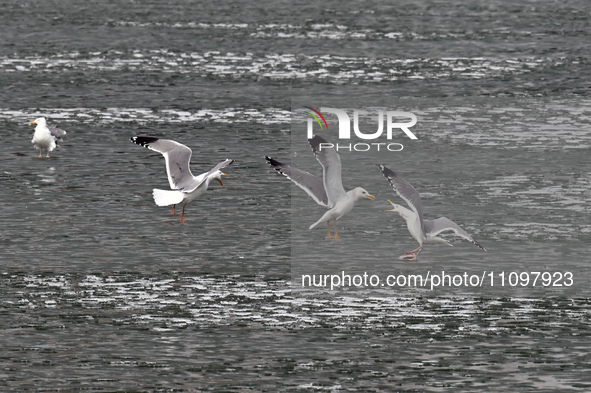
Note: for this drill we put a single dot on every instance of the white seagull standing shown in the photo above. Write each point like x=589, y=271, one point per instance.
x=185, y=187
x=46, y=138
x=328, y=192
x=424, y=231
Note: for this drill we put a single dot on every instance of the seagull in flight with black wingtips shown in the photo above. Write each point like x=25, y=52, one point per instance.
x=424, y=231
x=329, y=191
x=185, y=187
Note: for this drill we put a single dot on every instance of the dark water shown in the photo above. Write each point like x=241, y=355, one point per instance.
x=101, y=290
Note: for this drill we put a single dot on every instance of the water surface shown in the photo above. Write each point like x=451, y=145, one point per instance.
x=104, y=291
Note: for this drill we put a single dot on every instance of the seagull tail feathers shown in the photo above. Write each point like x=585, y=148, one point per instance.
x=166, y=198
x=316, y=223
x=329, y=215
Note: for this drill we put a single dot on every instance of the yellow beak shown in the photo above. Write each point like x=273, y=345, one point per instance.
x=370, y=197
x=220, y=180
x=393, y=208
x=33, y=122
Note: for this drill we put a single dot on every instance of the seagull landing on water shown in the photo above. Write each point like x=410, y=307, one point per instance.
x=46, y=138
x=329, y=191
x=424, y=231
x=185, y=187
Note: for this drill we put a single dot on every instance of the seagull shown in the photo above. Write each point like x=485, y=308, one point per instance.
x=185, y=187
x=424, y=231
x=329, y=191
x=46, y=138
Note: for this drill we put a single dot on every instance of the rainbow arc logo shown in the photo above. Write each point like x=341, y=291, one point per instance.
x=314, y=114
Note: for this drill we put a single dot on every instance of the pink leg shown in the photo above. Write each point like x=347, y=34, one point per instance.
x=415, y=250
x=410, y=255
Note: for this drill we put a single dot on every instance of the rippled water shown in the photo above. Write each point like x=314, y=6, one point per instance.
x=101, y=290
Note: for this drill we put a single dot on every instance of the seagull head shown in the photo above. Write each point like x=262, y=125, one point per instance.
x=217, y=175
x=361, y=193
x=39, y=121
x=395, y=208
x=401, y=210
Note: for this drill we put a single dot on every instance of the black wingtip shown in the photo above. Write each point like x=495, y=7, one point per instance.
x=143, y=140
x=317, y=138
x=273, y=162
x=315, y=142
x=478, y=244
x=386, y=171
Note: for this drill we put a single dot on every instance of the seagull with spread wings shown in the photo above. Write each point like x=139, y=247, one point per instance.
x=185, y=187
x=424, y=231
x=329, y=191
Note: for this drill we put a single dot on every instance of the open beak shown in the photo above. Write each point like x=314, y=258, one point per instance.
x=370, y=197
x=220, y=180
x=393, y=208
x=33, y=122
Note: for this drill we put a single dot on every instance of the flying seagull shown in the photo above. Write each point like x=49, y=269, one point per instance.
x=46, y=138
x=185, y=187
x=424, y=231
x=329, y=191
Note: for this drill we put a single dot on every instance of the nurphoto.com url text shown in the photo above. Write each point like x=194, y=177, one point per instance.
x=440, y=279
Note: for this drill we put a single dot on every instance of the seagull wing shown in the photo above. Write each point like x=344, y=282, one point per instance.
x=177, y=157
x=442, y=224
x=306, y=181
x=57, y=133
x=201, y=178
x=405, y=190
x=331, y=165
x=223, y=164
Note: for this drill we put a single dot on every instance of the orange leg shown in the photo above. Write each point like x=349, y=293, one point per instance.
x=336, y=233
x=172, y=210
x=328, y=237
x=182, y=216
